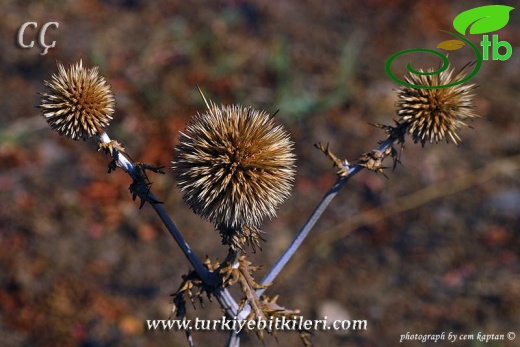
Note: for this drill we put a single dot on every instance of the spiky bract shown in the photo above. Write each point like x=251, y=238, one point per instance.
x=78, y=102
x=436, y=114
x=234, y=166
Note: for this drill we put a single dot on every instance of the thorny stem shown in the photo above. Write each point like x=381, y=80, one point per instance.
x=304, y=231
x=309, y=224
x=186, y=249
x=124, y=163
x=223, y=296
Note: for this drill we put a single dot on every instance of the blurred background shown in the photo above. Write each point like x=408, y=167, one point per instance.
x=434, y=248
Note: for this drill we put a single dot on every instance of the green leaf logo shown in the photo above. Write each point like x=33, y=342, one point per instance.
x=483, y=19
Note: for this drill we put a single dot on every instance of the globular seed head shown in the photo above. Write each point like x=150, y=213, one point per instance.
x=436, y=114
x=234, y=166
x=78, y=102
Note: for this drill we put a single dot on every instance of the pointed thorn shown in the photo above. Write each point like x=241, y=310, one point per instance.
x=203, y=97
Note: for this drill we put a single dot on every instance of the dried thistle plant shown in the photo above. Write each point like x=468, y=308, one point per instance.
x=78, y=103
x=234, y=166
x=434, y=114
x=428, y=115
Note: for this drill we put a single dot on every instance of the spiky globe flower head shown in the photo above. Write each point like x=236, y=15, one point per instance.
x=78, y=102
x=436, y=114
x=234, y=167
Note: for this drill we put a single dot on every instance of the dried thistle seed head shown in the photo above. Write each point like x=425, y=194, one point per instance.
x=234, y=166
x=78, y=102
x=434, y=114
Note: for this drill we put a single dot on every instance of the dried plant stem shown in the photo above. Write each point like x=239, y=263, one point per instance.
x=298, y=240
x=223, y=296
x=309, y=224
x=204, y=274
x=504, y=166
x=315, y=216
x=233, y=339
x=498, y=167
x=124, y=163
